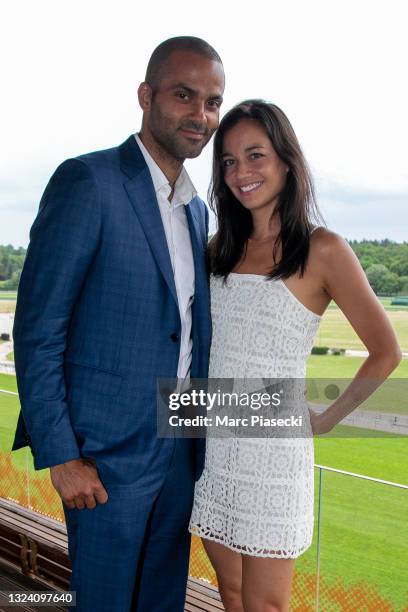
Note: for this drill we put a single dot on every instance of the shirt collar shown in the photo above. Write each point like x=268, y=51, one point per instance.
x=184, y=190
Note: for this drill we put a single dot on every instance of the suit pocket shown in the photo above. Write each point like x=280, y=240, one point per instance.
x=95, y=379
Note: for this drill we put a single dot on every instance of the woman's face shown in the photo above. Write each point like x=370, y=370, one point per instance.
x=252, y=169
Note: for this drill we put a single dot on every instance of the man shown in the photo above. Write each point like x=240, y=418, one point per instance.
x=114, y=295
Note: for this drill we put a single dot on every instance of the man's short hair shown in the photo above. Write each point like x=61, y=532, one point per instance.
x=161, y=54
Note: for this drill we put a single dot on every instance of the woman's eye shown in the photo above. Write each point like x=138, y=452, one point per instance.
x=256, y=155
x=182, y=95
x=228, y=162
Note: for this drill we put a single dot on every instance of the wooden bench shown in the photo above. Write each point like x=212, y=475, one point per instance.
x=37, y=548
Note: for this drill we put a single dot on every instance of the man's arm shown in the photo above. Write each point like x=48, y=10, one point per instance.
x=63, y=241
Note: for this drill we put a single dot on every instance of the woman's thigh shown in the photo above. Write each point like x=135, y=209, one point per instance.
x=266, y=582
x=226, y=562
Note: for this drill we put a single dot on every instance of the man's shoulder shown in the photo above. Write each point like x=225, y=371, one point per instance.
x=99, y=158
x=102, y=159
x=103, y=166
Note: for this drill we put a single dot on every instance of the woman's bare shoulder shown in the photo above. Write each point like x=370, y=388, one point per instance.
x=325, y=242
x=329, y=251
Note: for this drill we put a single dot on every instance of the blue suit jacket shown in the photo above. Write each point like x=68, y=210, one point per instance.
x=97, y=319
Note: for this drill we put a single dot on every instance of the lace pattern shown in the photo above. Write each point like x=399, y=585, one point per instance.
x=255, y=495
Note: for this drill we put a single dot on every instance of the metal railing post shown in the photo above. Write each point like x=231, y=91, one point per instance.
x=319, y=517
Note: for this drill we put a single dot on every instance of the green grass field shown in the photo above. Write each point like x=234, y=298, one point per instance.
x=364, y=531
x=8, y=295
x=341, y=366
x=386, y=302
x=8, y=382
x=336, y=332
x=9, y=407
x=391, y=397
x=363, y=523
x=8, y=301
x=7, y=306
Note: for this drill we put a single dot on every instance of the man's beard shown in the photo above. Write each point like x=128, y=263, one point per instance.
x=172, y=142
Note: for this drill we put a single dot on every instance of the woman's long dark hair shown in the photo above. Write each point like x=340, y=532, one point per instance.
x=297, y=208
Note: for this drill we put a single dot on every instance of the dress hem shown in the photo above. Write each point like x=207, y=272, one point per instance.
x=201, y=534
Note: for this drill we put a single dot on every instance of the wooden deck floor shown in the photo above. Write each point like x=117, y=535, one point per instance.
x=11, y=579
x=201, y=597
x=38, y=545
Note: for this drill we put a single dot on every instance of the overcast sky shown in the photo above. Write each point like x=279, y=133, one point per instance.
x=70, y=73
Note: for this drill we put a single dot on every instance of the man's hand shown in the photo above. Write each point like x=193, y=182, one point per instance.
x=78, y=484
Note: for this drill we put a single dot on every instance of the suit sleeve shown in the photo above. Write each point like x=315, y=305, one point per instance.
x=63, y=242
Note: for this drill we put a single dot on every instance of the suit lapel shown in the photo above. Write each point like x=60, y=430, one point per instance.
x=201, y=301
x=196, y=242
x=142, y=196
x=141, y=193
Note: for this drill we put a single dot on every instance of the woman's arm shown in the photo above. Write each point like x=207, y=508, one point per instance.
x=346, y=283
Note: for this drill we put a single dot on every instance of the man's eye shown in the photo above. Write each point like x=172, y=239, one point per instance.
x=214, y=103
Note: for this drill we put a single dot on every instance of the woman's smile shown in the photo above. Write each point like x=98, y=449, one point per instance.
x=249, y=188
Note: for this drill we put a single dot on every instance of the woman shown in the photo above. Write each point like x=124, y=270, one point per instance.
x=273, y=274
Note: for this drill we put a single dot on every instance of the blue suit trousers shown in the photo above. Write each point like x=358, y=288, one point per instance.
x=141, y=531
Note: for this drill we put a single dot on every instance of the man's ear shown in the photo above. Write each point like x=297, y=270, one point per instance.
x=144, y=93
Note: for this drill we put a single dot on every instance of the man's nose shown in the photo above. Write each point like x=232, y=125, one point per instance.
x=198, y=112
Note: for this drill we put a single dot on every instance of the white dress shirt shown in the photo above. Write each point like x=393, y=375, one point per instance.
x=177, y=233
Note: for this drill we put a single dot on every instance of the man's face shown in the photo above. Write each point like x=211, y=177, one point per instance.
x=185, y=106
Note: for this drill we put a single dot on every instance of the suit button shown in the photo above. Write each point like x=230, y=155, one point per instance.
x=174, y=337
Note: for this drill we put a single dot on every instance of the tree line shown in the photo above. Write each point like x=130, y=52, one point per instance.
x=385, y=263
x=11, y=264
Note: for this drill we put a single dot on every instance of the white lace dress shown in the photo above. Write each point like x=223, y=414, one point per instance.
x=255, y=495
